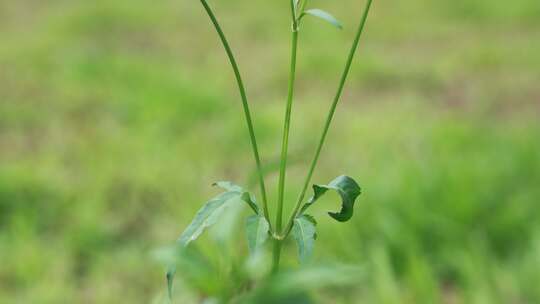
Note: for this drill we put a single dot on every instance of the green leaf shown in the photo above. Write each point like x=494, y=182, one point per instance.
x=245, y=196
x=257, y=229
x=195, y=268
x=304, y=233
x=229, y=186
x=324, y=16
x=348, y=190
x=250, y=200
x=230, y=220
x=170, y=278
x=208, y=215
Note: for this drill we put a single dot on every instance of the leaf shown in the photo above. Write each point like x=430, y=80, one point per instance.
x=226, y=227
x=324, y=16
x=257, y=229
x=304, y=234
x=196, y=270
x=348, y=190
x=245, y=196
x=170, y=278
x=250, y=200
x=207, y=216
x=229, y=186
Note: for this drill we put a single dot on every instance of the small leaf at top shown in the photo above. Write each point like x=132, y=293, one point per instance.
x=323, y=15
x=304, y=234
x=257, y=229
x=348, y=190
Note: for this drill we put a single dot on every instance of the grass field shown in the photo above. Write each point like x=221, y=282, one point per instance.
x=117, y=116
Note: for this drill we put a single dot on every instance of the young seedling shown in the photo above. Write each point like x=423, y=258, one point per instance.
x=259, y=226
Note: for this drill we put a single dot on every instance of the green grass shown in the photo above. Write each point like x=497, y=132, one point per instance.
x=116, y=116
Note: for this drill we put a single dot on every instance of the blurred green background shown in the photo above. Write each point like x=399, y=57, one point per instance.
x=116, y=116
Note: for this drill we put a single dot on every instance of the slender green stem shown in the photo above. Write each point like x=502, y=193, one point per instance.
x=285, y=141
x=286, y=129
x=329, y=117
x=276, y=255
x=245, y=106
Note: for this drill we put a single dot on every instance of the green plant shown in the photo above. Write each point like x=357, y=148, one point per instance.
x=302, y=225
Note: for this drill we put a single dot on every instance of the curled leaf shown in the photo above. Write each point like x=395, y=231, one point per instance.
x=348, y=190
x=324, y=16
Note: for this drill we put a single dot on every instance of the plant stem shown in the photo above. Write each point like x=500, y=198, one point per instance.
x=329, y=117
x=245, y=106
x=276, y=254
x=286, y=128
x=285, y=141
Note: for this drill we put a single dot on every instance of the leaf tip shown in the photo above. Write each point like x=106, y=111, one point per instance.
x=170, y=279
x=338, y=216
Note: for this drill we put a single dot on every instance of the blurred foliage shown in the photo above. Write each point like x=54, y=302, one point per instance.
x=116, y=116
